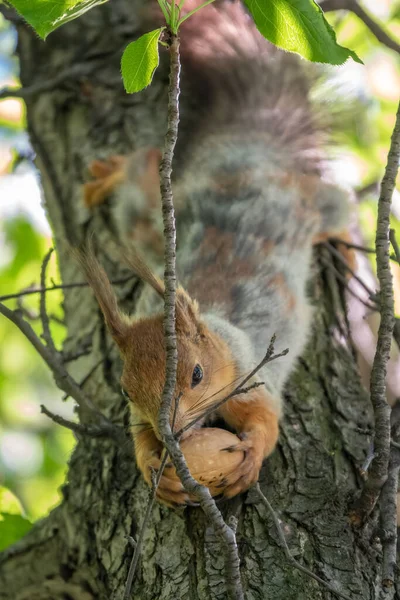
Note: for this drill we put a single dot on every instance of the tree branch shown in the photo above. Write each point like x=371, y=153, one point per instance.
x=225, y=533
x=375, y=28
x=379, y=467
x=61, y=286
x=43, y=312
x=287, y=552
x=139, y=542
x=90, y=430
x=61, y=376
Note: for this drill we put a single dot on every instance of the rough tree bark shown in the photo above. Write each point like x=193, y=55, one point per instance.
x=79, y=551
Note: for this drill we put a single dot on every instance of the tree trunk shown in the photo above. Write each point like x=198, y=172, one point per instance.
x=79, y=112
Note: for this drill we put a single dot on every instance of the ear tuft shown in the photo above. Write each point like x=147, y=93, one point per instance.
x=187, y=314
x=139, y=267
x=117, y=323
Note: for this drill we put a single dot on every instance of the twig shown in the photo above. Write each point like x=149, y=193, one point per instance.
x=91, y=371
x=43, y=312
x=393, y=257
x=75, y=354
x=170, y=236
x=138, y=544
x=374, y=27
x=354, y=246
x=388, y=511
x=368, y=460
x=10, y=14
x=131, y=540
x=61, y=286
x=287, y=552
x=344, y=262
x=176, y=406
x=28, y=312
x=345, y=283
x=222, y=530
x=139, y=541
x=240, y=389
x=370, y=188
x=49, y=84
x=90, y=430
x=61, y=376
x=393, y=241
x=379, y=467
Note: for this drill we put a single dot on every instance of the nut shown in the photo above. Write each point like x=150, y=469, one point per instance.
x=208, y=461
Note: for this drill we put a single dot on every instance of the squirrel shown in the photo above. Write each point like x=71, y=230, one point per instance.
x=251, y=201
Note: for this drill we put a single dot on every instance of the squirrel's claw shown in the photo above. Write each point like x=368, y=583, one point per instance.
x=248, y=471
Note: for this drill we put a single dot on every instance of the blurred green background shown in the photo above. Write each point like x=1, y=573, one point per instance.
x=33, y=451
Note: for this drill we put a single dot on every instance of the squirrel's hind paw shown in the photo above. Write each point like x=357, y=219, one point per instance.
x=108, y=175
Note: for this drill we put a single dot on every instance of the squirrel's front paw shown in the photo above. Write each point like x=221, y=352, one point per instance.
x=107, y=176
x=170, y=490
x=248, y=471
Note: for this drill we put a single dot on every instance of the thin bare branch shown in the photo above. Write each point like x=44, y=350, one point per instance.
x=89, y=430
x=62, y=286
x=393, y=241
x=379, y=467
x=71, y=73
x=372, y=295
x=43, y=312
x=61, y=376
x=375, y=28
x=89, y=374
x=364, y=249
x=287, y=552
x=345, y=283
x=354, y=246
x=222, y=530
x=139, y=541
x=239, y=389
x=168, y=214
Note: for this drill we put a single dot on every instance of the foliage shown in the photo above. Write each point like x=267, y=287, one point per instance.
x=294, y=25
x=299, y=26
x=13, y=525
x=47, y=15
x=139, y=61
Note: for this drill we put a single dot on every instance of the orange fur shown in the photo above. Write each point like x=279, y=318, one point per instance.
x=253, y=418
x=109, y=175
x=142, y=347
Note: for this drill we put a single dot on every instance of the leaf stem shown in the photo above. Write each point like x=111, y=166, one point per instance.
x=194, y=11
x=165, y=10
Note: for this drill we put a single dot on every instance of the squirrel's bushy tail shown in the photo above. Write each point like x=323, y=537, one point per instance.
x=237, y=80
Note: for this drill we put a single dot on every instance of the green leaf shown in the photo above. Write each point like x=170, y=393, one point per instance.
x=139, y=61
x=9, y=503
x=46, y=15
x=12, y=529
x=299, y=26
x=13, y=525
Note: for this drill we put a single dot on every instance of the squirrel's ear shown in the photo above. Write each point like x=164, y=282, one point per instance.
x=117, y=323
x=187, y=313
x=187, y=310
x=139, y=267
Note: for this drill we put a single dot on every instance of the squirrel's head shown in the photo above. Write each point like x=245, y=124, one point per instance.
x=205, y=371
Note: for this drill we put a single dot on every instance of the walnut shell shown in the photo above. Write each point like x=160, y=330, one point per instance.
x=207, y=461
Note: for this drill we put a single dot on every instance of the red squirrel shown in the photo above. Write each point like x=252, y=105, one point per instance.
x=251, y=200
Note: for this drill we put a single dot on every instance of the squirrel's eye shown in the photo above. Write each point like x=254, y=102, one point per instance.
x=126, y=395
x=197, y=375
